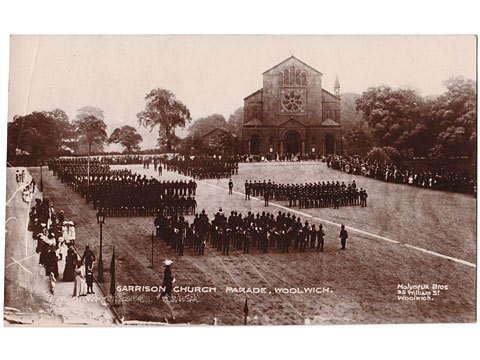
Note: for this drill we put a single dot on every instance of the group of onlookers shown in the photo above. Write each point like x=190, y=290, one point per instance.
x=430, y=179
x=55, y=238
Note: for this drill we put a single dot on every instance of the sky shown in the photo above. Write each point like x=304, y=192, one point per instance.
x=212, y=74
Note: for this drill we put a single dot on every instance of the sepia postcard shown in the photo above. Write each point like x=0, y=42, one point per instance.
x=159, y=180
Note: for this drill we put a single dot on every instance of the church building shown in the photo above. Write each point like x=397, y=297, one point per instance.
x=292, y=113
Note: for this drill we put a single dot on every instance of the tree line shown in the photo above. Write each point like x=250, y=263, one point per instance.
x=45, y=134
x=414, y=126
x=381, y=117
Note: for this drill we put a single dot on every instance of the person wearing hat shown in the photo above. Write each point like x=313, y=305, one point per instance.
x=61, y=217
x=79, y=285
x=88, y=258
x=230, y=187
x=51, y=264
x=168, y=280
x=70, y=264
x=343, y=237
x=320, y=237
x=68, y=232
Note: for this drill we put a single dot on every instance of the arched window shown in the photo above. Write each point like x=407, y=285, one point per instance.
x=292, y=75
x=280, y=79
x=286, y=77
x=304, y=79
x=298, y=80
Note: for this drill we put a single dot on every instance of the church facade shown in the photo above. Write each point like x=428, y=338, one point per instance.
x=292, y=113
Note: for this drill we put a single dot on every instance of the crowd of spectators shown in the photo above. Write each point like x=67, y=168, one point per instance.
x=430, y=179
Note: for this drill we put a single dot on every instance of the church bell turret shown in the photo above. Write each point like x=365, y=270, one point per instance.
x=336, y=88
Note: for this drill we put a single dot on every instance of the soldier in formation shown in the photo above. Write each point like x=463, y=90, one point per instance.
x=309, y=195
x=204, y=167
x=123, y=193
x=262, y=231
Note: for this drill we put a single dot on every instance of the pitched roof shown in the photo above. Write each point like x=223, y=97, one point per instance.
x=252, y=94
x=292, y=120
x=330, y=122
x=253, y=122
x=212, y=131
x=293, y=57
x=329, y=93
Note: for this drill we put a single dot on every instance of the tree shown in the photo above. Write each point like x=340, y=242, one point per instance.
x=126, y=136
x=206, y=124
x=90, y=127
x=163, y=109
x=351, y=117
x=41, y=134
x=221, y=142
x=235, y=122
x=357, y=137
x=395, y=117
x=454, y=119
x=384, y=155
x=65, y=129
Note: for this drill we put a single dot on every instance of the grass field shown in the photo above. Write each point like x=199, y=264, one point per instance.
x=361, y=281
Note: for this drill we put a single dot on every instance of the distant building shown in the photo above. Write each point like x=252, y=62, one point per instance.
x=221, y=140
x=292, y=113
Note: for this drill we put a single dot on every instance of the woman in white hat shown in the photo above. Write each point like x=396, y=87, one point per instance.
x=69, y=232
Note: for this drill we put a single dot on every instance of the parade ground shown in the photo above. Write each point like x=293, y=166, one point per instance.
x=410, y=256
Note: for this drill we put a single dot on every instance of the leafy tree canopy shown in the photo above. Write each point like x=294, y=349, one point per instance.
x=90, y=127
x=126, y=136
x=162, y=109
x=42, y=134
x=235, y=122
x=204, y=125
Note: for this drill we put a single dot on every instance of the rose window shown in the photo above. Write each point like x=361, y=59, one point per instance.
x=293, y=100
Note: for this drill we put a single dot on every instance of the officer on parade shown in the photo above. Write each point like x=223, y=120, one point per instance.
x=343, y=237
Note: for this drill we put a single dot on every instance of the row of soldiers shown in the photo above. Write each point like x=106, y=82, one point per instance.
x=261, y=231
x=309, y=195
x=204, y=167
x=123, y=193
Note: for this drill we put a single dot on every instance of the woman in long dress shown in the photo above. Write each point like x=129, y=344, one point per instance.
x=70, y=261
x=69, y=232
x=79, y=285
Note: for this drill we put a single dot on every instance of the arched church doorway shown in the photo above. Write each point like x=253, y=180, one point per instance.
x=329, y=144
x=255, y=144
x=292, y=142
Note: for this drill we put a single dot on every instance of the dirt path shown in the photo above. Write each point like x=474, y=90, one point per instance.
x=27, y=296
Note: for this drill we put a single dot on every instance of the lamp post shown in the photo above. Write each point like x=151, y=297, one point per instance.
x=41, y=176
x=100, y=221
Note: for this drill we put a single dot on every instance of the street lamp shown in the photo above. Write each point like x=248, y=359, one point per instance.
x=100, y=221
x=41, y=176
